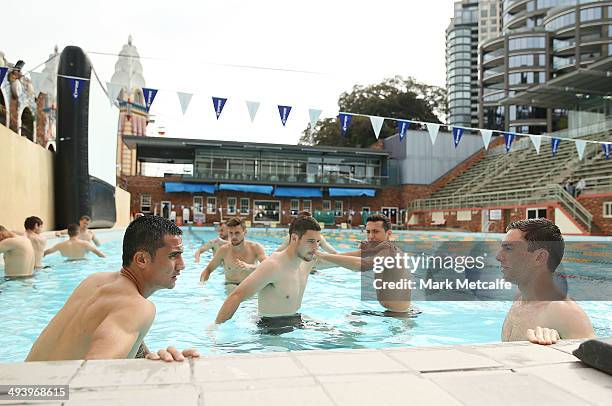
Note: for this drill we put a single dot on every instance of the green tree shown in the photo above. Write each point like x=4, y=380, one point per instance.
x=397, y=97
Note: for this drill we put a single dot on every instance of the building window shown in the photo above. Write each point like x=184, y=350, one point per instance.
x=338, y=208
x=231, y=205
x=145, y=203
x=211, y=205
x=266, y=210
x=607, y=209
x=536, y=213
x=327, y=205
x=244, y=205
x=198, y=204
x=588, y=14
x=307, y=205
x=295, y=207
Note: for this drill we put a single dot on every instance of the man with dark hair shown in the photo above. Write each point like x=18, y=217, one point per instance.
x=542, y=313
x=84, y=233
x=378, y=231
x=108, y=314
x=239, y=258
x=33, y=230
x=324, y=244
x=18, y=253
x=215, y=243
x=281, y=279
x=74, y=248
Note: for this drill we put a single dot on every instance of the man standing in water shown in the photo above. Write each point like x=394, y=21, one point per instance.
x=542, y=313
x=280, y=280
x=74, y=248
x=18, y=253
x=33, y=230
x=215, y=243
x=239, y=258
x=84, y=233
x=379, y=244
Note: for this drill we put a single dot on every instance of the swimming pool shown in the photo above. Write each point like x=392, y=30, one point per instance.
x=335, y=315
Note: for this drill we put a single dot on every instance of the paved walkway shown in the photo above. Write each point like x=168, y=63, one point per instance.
x=491, y=375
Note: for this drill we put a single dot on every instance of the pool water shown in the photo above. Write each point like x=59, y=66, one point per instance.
x=334, y=314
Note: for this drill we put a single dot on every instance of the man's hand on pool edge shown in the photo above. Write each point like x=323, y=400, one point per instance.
x=172, y=354
x=543, y=336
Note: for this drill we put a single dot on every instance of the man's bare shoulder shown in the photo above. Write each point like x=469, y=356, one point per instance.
x=568, y=308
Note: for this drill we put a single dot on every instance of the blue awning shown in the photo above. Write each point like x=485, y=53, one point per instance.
x=171, y=187
x=263, y=189
x=337, y=192
x=285, y=191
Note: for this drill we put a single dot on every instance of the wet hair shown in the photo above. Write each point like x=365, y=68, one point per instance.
x=146, y=234
x=73, y=230
x=85, y=217
x=304, y=214
x=235, y=222
x=380, y=217
x=32, y=222
x=542, y=234
x=2, y=229
x=301, y=224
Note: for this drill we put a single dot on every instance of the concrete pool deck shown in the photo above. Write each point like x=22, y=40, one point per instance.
x=490, y=374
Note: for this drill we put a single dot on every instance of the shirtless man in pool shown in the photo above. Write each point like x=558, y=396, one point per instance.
x=280, y=281
x=19, y=258
x=542, y=313
x=109, y=313
x=74, y=248
x=239, y=258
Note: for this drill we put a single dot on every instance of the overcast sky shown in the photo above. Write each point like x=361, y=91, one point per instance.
x=187, y=45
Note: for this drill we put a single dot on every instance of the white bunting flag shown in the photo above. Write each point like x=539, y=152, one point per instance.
x=433, y=131
x=37, y=81
x=486, y=137
x=580, y=146
x=184, y=99
x=314, y=117
x=252, y=107
x=377, y=123
x=537, y=141
x=113, y=92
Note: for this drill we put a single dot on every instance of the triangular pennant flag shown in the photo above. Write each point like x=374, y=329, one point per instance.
x=218, y=104
x=76, y=85
x=314, y=117
x=537, y=141
x=486, y=137
x=113, y=92
x=606, y=149
x=509, y=138
x=433, y=132
x=149, y=96
x=457, y=134
x=377, y=123
x=554, y=143
x=402, y=128
x=37, y=79
x=184, y=99
x=252, y=107
x=580, y=147
x=345, y=121
x=284, y=113
x=3, y=70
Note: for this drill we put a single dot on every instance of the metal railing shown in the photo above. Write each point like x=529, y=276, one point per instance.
x=518, y=197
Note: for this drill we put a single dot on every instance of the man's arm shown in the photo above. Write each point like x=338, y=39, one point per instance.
x=51, y=250
x=95, y=239
x=345, y=261
x=213, y=264
x=203, y=249
x=96, y=251
x=116, y=335
x=326, y=247
x=264, y=274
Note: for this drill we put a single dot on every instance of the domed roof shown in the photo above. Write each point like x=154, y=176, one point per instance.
x=128, y=70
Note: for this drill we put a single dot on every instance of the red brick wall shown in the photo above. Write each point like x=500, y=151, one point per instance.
x=594, y=204
x=139, y=185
